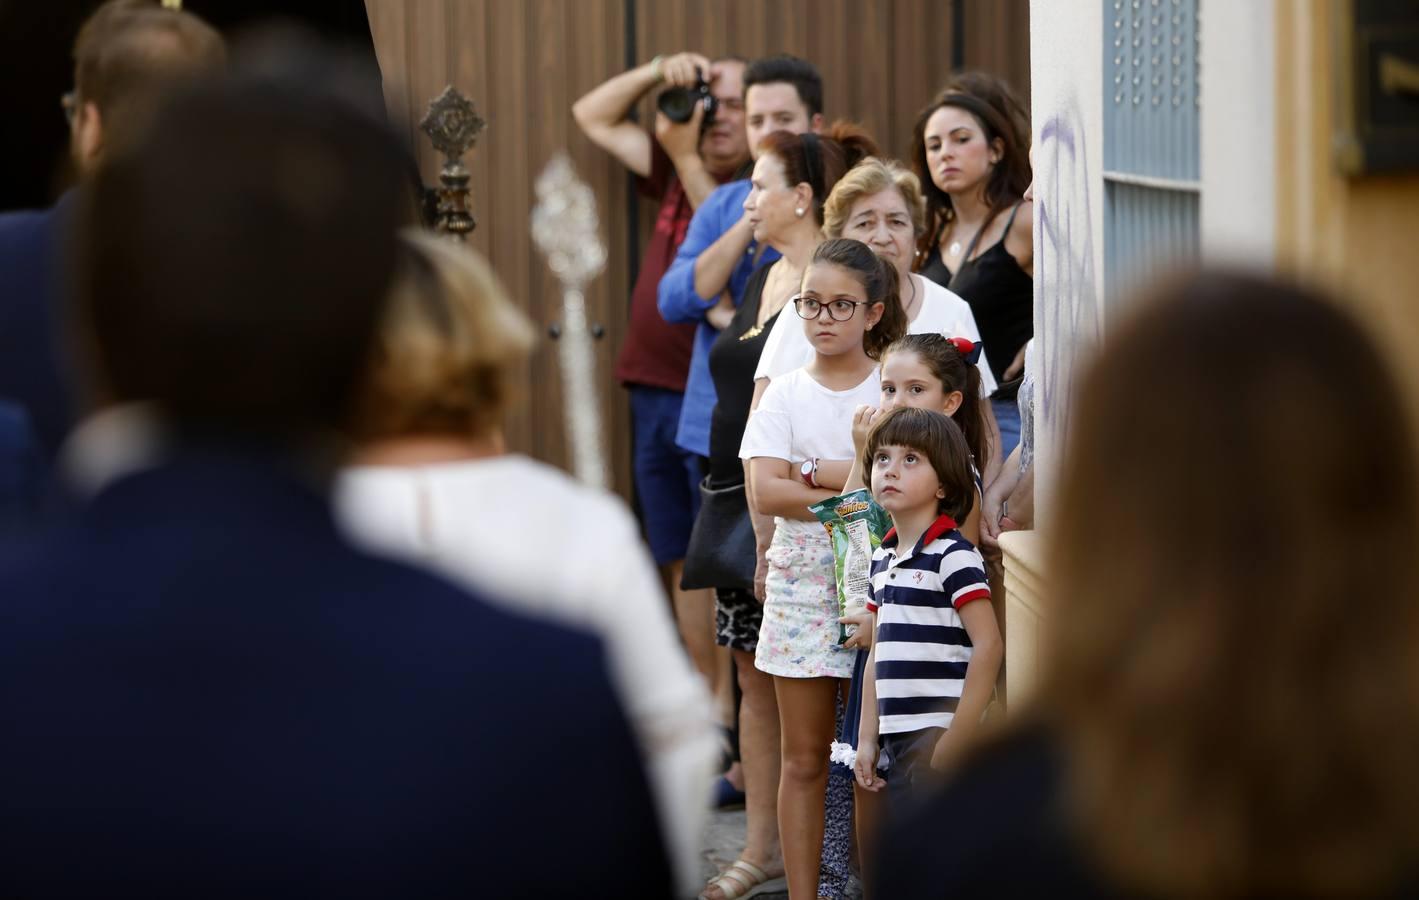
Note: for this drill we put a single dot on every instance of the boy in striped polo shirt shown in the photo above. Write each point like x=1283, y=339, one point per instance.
x=937, y=649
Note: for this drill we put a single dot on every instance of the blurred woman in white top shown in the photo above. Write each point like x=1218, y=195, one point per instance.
x=432, y=483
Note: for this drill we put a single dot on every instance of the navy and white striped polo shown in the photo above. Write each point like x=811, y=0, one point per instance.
x=922, y=646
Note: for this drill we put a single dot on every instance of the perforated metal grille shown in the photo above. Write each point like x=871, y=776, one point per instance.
x=1151, y=146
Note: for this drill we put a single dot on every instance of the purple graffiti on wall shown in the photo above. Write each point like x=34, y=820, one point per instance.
x=1069, y=320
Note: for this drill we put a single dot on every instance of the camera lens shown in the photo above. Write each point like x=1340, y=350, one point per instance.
x=678, y=103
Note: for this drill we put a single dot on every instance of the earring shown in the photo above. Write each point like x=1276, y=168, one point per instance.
x=799, y=212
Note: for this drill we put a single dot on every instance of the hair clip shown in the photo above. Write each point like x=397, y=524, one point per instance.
x=969, y=350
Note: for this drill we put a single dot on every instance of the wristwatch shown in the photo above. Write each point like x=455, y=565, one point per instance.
x=809, y=471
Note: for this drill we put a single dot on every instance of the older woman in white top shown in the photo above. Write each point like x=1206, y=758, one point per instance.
x=432, y=483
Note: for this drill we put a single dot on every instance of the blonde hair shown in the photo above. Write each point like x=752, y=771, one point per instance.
x=873, y=176
x=450, y=347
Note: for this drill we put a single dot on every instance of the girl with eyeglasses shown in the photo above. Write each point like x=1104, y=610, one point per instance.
x=792, y=178
x=879, y=203
x=849, y=309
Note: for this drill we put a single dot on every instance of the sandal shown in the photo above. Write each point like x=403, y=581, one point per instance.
x=742, y=880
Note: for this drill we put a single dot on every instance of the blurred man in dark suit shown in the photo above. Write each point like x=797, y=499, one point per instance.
x=206, y=692
x=120, y=61
x=126, y=57
x=21, y=473
x=37, y=35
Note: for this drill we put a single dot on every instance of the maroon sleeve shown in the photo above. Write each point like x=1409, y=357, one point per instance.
x=662, y=170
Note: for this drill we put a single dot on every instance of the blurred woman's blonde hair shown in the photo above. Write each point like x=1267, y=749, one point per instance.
x=451, y=348
x=1235, y=609
x=872, y=176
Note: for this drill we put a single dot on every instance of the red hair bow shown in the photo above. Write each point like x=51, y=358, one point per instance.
x=968, y=349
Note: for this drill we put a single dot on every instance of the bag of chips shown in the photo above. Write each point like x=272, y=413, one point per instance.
x=855, y=526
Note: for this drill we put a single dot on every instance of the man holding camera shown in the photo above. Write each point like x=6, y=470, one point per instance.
x=698, y=143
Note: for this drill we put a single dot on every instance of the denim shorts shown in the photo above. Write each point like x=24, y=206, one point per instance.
x=1007, y=416
x=908, y=763
x=667, y=477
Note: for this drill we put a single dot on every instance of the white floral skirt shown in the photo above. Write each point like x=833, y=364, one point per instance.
x=799, y=637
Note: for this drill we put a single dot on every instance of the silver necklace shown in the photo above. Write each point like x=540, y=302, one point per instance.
x=908, y=308
x=954, y=249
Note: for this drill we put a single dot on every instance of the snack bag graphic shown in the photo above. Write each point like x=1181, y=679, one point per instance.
x=855, y=525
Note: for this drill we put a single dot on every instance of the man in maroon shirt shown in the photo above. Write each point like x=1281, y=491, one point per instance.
x=680, y=165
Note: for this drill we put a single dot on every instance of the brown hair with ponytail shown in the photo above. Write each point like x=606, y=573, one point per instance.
x=820, y=160
x=879, y=280
x=948, y=365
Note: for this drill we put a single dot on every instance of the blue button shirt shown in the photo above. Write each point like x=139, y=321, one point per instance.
x=679, y=303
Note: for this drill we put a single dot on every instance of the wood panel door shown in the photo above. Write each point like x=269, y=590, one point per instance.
x=524, y=62
x=882, y=60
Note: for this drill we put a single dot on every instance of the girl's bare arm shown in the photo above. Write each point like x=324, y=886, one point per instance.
x=779, y=491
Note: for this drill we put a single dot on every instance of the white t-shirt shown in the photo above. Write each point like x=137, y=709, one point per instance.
x=529, y=535
x=941, y=312
x=799, y=419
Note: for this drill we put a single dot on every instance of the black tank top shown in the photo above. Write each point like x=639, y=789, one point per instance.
x=733, y=357
x=1001, y=297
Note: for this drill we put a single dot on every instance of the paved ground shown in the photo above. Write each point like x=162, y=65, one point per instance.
x=723, y=840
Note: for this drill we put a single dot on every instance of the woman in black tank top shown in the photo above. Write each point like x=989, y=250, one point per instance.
x=1001, y=296
x=969, y=150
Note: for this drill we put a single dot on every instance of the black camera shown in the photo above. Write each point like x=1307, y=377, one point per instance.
x=678, y=103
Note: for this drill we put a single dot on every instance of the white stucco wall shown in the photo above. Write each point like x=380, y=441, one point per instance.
x=1237, y=71
x=1066, y=79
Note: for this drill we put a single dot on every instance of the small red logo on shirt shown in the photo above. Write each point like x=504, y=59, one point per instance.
x=918, y=576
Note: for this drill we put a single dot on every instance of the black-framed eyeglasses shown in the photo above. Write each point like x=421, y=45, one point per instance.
x=70, y=104
x=838, y=310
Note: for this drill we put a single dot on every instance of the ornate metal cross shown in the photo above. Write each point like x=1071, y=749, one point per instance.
x=565, y=228
x=453, y=125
